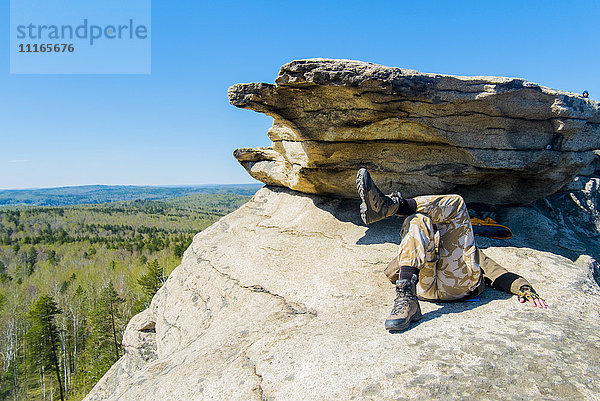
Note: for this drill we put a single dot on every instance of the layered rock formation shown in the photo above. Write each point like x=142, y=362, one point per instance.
x=491, y=139
x=285, y=299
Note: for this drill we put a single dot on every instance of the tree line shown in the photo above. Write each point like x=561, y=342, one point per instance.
x=71, y=278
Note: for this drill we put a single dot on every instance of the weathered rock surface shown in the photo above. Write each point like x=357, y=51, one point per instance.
x=285, y=299
x=491, y=139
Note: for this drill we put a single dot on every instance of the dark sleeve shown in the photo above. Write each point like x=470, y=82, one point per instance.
x=498, y=277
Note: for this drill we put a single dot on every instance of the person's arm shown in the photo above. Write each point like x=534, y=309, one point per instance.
x=501, y=279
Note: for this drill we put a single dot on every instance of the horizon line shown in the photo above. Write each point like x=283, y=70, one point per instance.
x=129, y=185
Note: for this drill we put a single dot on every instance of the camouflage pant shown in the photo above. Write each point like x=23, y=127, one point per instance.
x=439, y=241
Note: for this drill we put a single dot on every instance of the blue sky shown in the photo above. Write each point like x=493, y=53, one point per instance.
x=175, y=126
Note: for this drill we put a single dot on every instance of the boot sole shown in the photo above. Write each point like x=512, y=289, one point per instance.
x=360, y=185
x=415, y=318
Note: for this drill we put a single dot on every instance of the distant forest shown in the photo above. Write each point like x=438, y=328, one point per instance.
x=71, y=277
x=94, y=194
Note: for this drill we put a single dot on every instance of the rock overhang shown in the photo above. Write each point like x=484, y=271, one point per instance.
x=496, y=140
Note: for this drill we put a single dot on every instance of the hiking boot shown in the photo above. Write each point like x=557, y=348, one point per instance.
x=406, y=306
x=375, y=205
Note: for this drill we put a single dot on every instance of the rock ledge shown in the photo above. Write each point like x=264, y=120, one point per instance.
x=494, y=140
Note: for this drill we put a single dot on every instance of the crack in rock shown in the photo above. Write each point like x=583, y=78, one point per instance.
x=293, y=308
x=259, y=388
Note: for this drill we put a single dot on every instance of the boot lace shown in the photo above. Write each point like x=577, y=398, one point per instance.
x=401, y=302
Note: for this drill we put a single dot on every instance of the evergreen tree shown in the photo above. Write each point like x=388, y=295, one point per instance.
x=151, y=281
x=110, y=302
x=30, y=260
x=43, y=336
x=179, y=249
x=52, y=258
x=40, y=253
x=104, y=344
x=79, y=309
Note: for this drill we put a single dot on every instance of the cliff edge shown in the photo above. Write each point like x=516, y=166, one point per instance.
x=284, y=299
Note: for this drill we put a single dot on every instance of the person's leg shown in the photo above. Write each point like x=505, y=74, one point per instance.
x=443, y=208
x=375, y=205
x=418, y=244
x=457, y=272
x=417, y=251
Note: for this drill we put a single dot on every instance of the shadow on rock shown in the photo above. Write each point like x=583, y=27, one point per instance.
x=458, y=306
x=347, y=210
x=566, y=224
x=384, y=231
x=344, y=210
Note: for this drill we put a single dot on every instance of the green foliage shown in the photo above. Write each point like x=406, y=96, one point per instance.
x=52, y=258
x=151, y=281
x=104, y=343
x=101, y=264
x=94, y=194
x=43, y=337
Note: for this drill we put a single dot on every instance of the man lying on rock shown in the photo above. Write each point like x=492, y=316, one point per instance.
x=438, y=259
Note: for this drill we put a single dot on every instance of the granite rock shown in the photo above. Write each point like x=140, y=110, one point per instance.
x=285, y=299
x=496, y=140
